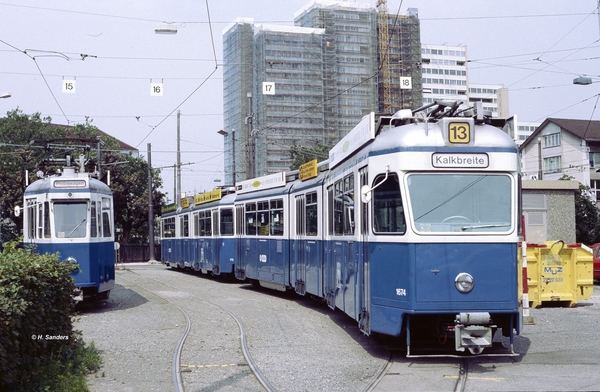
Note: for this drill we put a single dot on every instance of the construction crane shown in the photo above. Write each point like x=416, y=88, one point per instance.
x=384, y=58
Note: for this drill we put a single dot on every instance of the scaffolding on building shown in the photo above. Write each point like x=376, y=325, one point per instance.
x=325, y=71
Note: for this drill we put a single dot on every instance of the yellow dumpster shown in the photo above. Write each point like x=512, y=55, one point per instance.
x=557, y=272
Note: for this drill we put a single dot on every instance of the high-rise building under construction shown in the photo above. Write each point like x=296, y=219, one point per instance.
x=309, y=84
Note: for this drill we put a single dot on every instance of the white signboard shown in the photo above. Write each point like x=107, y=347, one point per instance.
x=260, y=183
x=460, y=160
x=268, y=88
x=156, y=89
x=68, y=86
x=405, y=83
x=355, y=139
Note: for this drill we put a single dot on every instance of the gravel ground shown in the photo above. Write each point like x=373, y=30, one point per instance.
x=298, y=344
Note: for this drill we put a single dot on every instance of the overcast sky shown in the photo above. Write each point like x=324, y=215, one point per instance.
x=534, y=47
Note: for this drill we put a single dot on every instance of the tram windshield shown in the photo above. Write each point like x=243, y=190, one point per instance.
x=463, y=203
x=70, y=219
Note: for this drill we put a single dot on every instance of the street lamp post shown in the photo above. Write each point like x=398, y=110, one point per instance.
x=5, y=94
x=150, y=207
x=225, y=133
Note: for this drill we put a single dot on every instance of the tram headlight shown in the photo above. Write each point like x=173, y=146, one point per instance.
x=464, y=282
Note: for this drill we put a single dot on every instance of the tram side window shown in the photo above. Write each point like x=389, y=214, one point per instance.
x=338, y=209
x=93, y=221
x=168, y=225
x=349, y=205
x=184, y=224
x=43, y=222
x=106, y=222
x=262, y=217
x=311, y=214
x=196, y=224
x=227, y=221
x=277, y=217
x=202, y=225
x=31, y=217
x=388, y=213
x=46, y=219
x=207, y=224
x=343, y=206
x=251, y=219
x=330, y=210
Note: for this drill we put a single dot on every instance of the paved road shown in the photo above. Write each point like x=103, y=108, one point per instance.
x=304, y=346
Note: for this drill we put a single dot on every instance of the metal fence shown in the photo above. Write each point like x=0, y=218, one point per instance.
x=131, y=253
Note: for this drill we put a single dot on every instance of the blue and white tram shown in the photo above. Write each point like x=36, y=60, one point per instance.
x=438, y=222
x=200, y=234
x=411, y=227
x=72, y=214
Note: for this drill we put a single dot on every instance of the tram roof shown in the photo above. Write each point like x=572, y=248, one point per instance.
x=45, y=185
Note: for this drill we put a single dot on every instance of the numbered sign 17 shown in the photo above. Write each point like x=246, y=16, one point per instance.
x=268, y=88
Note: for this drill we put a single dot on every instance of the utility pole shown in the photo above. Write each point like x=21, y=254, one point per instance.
x=251, y=150
x=150, y=207
x=178, y=189
x=99, y=158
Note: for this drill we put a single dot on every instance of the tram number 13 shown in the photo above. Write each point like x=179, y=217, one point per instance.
x=459, y=132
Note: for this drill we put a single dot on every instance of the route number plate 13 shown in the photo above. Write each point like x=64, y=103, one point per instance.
x=459, y=132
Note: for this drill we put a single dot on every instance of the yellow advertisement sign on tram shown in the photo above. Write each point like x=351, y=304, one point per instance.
x=207, y=197
x=308, y=170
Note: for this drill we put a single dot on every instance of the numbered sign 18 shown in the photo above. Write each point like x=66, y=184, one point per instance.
x=156, y=89
x=68, y=86
x=406, y=83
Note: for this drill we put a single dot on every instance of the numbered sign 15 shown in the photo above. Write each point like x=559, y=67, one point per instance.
x=68, y=86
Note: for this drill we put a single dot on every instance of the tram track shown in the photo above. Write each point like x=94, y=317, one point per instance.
x=176, y=363
x=203, y=347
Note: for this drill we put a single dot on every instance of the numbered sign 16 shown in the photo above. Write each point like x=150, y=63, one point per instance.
x=156, y=89
x=68, y=86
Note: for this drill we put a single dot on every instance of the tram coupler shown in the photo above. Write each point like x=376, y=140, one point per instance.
x=77, y=295
x=473, y=331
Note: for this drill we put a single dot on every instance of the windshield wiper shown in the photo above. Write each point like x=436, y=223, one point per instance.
x=75, y=228
x=465, y=228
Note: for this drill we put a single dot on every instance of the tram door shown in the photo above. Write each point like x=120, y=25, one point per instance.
x=216, y=242
x=298, y=246
x=240, y=270
x=364, y=277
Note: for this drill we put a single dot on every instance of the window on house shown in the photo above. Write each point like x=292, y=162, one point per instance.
x=552, y=140
x=552, y=164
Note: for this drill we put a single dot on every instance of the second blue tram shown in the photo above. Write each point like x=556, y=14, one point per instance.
x=72, y=214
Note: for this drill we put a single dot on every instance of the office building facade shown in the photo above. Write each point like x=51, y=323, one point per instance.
x=311, y=83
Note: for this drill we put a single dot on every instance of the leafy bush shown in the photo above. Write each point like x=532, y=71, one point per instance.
x=38, y=348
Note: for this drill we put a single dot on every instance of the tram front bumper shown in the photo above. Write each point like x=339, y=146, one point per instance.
x=473, y=331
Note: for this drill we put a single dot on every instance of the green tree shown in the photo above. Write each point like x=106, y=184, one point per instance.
x=587, y=220
x=302, y=154
x=24, y=149
x=129, y=184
